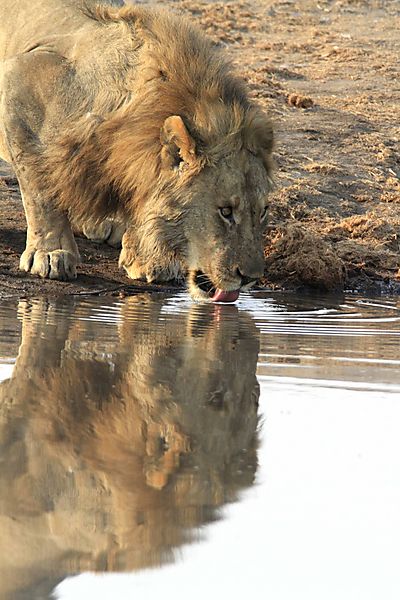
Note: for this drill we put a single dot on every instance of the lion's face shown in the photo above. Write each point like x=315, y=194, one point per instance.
x=224, y=225
x=208, y=216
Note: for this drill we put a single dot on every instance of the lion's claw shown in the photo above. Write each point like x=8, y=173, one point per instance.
x=55, y=264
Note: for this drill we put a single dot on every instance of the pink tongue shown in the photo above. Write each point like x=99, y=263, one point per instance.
x=221, y=296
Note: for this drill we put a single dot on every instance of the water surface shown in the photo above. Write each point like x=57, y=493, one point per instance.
x=150, y=447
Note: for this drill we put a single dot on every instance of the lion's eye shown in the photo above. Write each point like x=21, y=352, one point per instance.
x=226, y=213
x=263, y=213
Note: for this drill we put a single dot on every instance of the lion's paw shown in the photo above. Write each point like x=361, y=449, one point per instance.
x=134, y=270
x=149, y=271
x=55, y=264
x=108, y=231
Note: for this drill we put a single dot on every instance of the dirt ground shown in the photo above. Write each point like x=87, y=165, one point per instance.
x=328, y=72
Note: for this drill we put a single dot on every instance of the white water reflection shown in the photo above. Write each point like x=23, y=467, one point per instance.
x=6, y=368
x=322, y=523
x=321, y=520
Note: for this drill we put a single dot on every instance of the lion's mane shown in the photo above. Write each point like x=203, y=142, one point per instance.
x=110, y=159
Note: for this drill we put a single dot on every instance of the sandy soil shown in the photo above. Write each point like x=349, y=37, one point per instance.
x=328, y=72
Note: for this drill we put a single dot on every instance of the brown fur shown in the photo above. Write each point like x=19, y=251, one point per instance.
x=189, y=78
x=162, y=134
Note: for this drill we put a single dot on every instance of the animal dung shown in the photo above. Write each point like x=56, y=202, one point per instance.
x=300, y=101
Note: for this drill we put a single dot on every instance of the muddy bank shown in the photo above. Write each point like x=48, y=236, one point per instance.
x=328, y=73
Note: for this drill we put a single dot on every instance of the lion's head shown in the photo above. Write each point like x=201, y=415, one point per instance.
x=208, y=214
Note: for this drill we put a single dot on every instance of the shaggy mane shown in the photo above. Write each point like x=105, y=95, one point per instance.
x=110, y=160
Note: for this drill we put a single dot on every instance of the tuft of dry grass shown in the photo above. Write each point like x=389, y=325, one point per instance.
x=302, y=256
x=300, y=101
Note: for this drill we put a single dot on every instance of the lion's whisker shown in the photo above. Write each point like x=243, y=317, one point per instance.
x=203, y=278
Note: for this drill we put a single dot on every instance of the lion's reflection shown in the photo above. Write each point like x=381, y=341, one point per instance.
x=118, y=442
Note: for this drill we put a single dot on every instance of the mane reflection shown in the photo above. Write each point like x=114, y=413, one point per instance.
x=118, y=442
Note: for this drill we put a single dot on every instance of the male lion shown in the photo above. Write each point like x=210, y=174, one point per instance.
x=130, y=113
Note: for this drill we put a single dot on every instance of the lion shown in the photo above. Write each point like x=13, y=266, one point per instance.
x=114, y=451
x=127, y=122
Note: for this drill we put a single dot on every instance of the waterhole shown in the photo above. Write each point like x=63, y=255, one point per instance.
x=154, y=448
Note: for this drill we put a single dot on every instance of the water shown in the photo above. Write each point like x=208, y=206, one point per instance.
x=152, y=448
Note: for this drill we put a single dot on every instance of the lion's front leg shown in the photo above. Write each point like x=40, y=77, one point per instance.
x=51, y=251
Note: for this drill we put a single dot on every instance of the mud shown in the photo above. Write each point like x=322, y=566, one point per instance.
x=327, y=71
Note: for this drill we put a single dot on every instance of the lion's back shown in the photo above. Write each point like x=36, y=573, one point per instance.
x=26, y=23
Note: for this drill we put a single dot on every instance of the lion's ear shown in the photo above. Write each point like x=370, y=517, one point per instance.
x=260, y=137
x=177, y=143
